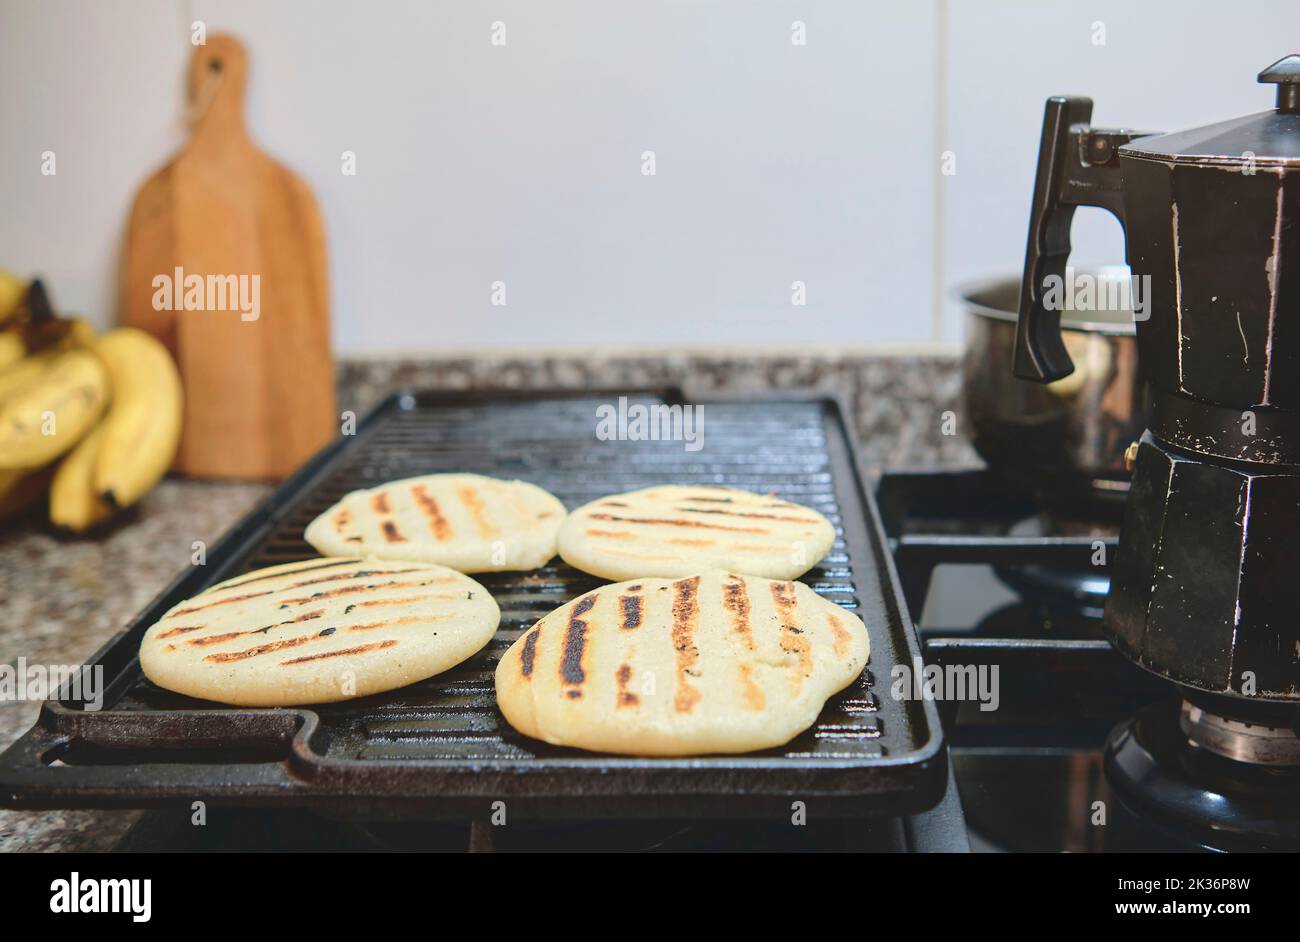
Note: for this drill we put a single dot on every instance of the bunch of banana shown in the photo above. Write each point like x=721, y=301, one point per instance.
x=132, y=447
x=93, y=421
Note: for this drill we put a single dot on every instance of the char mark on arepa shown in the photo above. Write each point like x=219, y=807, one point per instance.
x=384, y=603
x=668, y=522
x=840, y=634
x=403, y=620
x=631, y=607
x=686, y=610
x=350, y=589
x=529, y=653
x=743, y=513
x=359, y=574
x=217, y=639
x=290, y=572
x=750, y=692
x=343, y=652
x=792, y=640
x=783, y=595
x=234, y=598
x=735, y=599
x=478, y=510
x=427, y=503
x=575, y=644
x=225, y=657
x=623, y=676
x=613, y=534
x=179, y=630
x=338, y=577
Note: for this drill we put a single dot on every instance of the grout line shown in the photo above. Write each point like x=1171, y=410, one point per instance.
x=939, y=206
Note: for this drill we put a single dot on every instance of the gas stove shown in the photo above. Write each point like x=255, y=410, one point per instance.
x=1085, y=751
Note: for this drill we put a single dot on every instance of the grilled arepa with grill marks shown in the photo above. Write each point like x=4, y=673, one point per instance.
x=466, y=521
x=677, y=530
x=711, y=663
x=318, y=631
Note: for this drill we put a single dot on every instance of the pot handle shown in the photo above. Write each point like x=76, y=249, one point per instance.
x=1078, y=165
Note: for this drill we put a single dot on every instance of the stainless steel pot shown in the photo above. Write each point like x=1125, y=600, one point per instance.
x=1065, y=440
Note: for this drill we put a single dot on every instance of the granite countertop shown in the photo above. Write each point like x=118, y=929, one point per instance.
x=65, y=597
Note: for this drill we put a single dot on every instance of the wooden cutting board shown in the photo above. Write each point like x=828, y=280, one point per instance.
x=259, y=381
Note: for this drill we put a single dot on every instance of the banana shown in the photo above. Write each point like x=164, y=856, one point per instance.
x=24, y=373
x=12, y=348
x=46, y=415
x=143, y=426
x=80, y=333
x=74, y=504
x=12, y=289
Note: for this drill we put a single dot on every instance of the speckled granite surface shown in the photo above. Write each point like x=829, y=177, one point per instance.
x=898, y=401
x=64, y=597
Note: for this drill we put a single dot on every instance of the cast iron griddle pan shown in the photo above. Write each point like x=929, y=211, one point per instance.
x=440, y=749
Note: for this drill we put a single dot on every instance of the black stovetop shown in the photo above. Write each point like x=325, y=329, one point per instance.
x=992, y=578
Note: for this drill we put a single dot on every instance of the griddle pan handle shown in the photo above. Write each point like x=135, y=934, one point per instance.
x=1077, y=166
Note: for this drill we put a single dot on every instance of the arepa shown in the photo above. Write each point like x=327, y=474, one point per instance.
x=677, y=530
x=466, y=521
x=318, y=631
x=711, y=663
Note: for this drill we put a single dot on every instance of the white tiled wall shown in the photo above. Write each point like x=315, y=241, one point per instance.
x=477, y=163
